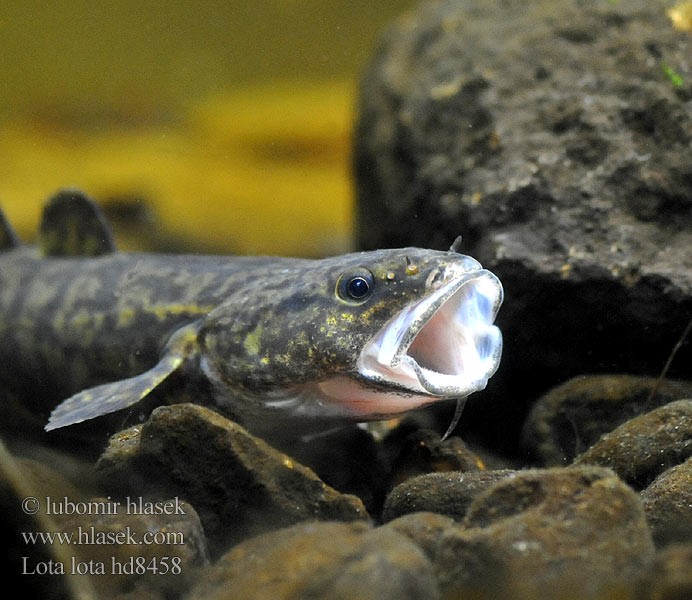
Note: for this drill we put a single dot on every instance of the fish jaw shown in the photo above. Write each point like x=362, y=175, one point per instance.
x=444, y=345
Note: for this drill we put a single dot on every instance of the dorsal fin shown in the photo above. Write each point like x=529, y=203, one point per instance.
x=73, y=225
x=8, y=238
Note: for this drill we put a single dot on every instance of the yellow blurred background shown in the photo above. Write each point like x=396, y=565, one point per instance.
x=199, y=126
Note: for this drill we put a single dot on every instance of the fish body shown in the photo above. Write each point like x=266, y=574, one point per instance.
x=364, y=336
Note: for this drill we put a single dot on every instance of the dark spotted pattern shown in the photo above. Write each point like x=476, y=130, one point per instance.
x=264, y=323
x=252, y=325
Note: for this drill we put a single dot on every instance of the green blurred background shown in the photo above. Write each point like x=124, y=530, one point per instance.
x=205, y=126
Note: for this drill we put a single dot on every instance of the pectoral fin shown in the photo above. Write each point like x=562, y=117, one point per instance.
x=110, y=397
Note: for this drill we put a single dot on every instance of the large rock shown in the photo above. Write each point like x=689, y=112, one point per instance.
x=153, y=549
x=642, y=448
x=239, y=485
x=558, y=533
x=448, y=494
x=670, y=577
x=555, y=136
x=668, y=505
x=424, y=529
x=346, y=458
x=571, y=417
x=24, y=485
x=321, y=561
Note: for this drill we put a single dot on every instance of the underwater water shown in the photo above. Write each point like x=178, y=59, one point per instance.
x=221, y=126
x=554, y=135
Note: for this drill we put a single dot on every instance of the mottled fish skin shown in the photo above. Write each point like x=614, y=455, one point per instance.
x=81, y=322
x=251, y=325
x=286, y=325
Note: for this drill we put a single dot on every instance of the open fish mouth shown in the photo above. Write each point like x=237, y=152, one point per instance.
x=444, y=345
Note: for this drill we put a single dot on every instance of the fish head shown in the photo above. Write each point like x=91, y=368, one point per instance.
x=366, y=335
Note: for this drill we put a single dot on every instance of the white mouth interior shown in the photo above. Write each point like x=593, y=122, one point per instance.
x=444, y=345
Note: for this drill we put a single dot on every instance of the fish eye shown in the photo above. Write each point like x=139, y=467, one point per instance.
x=355, y=285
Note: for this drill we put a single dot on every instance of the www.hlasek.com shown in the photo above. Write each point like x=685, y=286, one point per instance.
x=87, y=536
x=91, y=535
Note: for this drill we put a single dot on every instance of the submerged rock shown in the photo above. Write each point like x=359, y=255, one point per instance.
x=555, y=136
x=422, y=451
x=239, y=485
x=24, y=485
x=670, y=577
x=571, y=417
x=424, y=529
x=645, y=446
x=448, y=494
x=576, y=533
x=346, y=458
x=130, y=550
x=321, y=561
x=668, y=505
